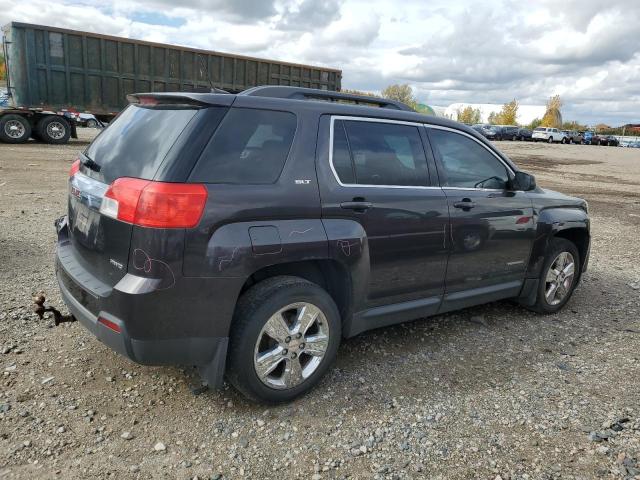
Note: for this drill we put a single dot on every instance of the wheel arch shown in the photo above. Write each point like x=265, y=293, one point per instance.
x=571, y=223
x=329, y=274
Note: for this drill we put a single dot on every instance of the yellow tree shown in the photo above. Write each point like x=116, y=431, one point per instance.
x=401, y=93
x=509, y=113
x=553, y=117
x=468, y=115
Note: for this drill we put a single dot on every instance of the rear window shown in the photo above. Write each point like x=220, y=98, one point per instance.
x=540, y=129
x=137, y=141
x=249, y=147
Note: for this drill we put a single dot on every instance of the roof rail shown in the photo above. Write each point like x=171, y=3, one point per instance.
x=299, y=93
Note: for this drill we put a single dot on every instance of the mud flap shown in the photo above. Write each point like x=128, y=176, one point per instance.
x=212, y=374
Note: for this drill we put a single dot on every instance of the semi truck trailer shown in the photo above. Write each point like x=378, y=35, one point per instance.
x=53, y=75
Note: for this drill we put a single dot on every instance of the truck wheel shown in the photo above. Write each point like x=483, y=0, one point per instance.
x=91, y=123
x=54, y=129
x=559, y=276
x=14, y=129
x=285, y=335
x=550, y=140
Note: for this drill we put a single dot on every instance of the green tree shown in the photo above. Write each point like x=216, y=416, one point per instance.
x=468, y=115
x=535, y=123
x=493, y=118
x=358, y=92
x=401, y=93
x=509, y=113
x=553, y=117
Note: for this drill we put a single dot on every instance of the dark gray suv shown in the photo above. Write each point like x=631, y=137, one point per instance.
x=248, y=234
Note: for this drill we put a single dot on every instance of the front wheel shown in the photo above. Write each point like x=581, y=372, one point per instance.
x=284, y=337
x=91, y=123
x=559, y=277
x=550, y=140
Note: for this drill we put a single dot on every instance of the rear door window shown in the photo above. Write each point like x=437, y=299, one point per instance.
x=249, y=147
x=380, y=154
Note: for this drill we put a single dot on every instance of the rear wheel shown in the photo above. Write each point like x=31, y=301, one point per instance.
x=54, y=129
x=14, y=129
x=91, y=123
x=559, y=276
x=285, y=336
x=550, y=140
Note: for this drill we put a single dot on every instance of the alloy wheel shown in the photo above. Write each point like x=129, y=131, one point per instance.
x=291, y=345
x=14, y=129
x=559, y=279
x=55, y=130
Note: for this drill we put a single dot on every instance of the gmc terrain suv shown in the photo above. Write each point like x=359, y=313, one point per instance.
x=247, y=234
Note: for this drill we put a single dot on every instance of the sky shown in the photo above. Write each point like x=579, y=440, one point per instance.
x=491, y=51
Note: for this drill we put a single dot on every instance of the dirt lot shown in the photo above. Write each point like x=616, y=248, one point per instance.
x=490, y=392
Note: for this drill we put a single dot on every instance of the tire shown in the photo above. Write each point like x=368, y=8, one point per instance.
x=550, y=140
x=54, y=129
x=91, y=123
x=256, y=308
x=514, y=138
x=14, y=129
x=558, y=246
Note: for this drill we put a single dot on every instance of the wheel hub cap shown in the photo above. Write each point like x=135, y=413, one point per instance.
x=559, y=279
x=14, y=129
x=291, y=345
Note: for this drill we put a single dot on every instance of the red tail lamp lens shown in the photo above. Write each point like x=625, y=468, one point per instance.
x=75, y=168
x=155, y=204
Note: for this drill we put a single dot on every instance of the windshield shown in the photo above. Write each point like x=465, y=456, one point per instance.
x=136, y=142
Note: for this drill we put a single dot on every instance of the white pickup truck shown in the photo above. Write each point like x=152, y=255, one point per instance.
x=550, y=135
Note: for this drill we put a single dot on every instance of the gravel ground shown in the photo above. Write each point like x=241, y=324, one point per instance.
x=490, y=392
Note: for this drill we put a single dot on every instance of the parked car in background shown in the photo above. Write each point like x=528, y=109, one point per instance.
x=587, y=137
x=635, y=144
x=609, y=140
x=548, y=134
x=524, y=134
x=510, y=132
x=573, y=136
x=88, y=120
x=494, y=132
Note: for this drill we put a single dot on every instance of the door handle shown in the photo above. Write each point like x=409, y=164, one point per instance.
x=358, y=206
x=466, y=204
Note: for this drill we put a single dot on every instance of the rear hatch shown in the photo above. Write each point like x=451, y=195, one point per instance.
x=142, y=144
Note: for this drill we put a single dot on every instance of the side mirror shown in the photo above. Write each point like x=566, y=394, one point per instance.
x=524, y=181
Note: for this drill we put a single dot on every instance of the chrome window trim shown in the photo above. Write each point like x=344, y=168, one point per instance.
x=411, y=124
x=372, y=120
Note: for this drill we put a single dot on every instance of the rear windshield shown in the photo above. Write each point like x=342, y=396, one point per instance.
x=136, y=142
x=249, y=147
x=540, y=129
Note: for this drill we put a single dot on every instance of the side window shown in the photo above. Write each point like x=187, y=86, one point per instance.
x=382, y=154
x=249, y=147
x=466, y=163
x=342, y=163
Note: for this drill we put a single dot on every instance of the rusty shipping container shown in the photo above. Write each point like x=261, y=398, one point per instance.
x=53, y=69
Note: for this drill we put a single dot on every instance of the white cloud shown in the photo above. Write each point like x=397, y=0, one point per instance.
x=448, y=50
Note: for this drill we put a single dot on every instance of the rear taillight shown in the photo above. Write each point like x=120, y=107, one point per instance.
x=75, y=168
x=155, y=204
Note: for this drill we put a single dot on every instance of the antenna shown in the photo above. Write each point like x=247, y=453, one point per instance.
x=205, y=67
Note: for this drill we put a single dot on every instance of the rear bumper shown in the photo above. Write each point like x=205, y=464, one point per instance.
x=146, y=336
